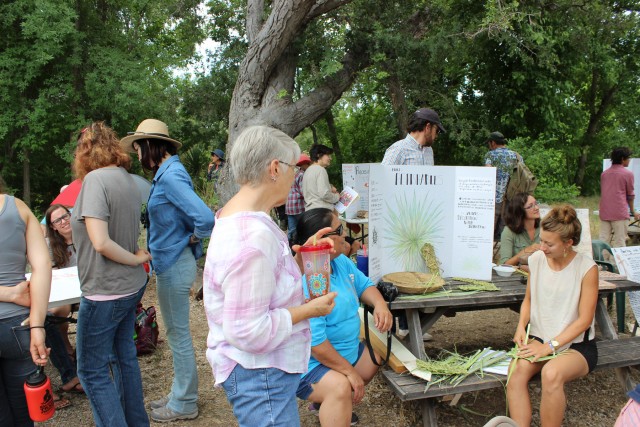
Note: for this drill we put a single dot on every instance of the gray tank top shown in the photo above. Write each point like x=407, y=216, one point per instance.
x=13, y=254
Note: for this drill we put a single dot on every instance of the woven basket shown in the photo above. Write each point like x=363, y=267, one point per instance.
x=414, y=282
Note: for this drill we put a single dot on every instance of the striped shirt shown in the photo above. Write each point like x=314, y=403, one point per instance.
x=407, y=151
x=250, y=279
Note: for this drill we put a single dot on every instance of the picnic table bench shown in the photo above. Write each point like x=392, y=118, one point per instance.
x=612, y=352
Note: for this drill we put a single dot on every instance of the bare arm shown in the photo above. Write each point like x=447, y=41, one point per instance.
x=18, y=294
x=40, y=283
x=525, y=315
x=98, y=231
x=381, y=314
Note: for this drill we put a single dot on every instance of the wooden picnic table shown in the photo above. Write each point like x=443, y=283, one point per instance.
x=424, y=313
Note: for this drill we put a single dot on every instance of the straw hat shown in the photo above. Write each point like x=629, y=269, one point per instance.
x=148, y=129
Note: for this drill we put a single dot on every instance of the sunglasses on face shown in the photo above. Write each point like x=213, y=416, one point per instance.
x=336, y=232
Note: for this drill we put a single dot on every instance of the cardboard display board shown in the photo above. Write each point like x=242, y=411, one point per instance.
x=356, y=176
x=628, y=262
x=451, y=208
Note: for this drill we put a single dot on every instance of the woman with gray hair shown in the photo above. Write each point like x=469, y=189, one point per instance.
x=259, y=338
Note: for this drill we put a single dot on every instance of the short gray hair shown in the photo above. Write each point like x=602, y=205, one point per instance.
x=255, y=148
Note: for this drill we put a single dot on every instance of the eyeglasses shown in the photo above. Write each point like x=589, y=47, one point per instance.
x=533, y=205
x=336, y=232
x=288, y=164
x=64, y=217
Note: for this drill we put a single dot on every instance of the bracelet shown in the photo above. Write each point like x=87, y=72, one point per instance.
x=553, y=349
x=36, y=327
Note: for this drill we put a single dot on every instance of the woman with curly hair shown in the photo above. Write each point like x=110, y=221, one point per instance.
x=105, y=224
x=557, y=314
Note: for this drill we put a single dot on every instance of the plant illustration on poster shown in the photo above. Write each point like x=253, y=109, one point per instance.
x=411, y=222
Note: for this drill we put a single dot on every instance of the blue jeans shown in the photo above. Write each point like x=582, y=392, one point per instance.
x=15, y=366
x=292, y=224
x=59, y=356
x=173, y=287
x=264, y=397
x=107, y=363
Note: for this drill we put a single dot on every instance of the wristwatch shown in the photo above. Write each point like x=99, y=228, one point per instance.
x=554, y=345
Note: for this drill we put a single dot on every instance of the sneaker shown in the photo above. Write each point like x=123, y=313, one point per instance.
x=315, y=407
x=165, y=415
x=402, y=333
x=159, y=403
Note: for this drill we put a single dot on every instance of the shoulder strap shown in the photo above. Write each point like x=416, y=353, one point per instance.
x=385, y=360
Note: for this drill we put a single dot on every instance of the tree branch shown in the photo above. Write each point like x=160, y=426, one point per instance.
x=324, y=6
x=253, y=22
x=293, y=118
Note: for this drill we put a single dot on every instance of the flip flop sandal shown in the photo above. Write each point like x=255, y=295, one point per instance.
x=76, y=389
x=61, y=403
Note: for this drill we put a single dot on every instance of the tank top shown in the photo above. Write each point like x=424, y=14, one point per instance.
x=13, y=249
x=555, y=296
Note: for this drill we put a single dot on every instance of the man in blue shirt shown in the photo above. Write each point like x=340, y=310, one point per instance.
x=504, y=160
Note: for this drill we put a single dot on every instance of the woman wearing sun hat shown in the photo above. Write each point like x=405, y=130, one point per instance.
x=177, y=220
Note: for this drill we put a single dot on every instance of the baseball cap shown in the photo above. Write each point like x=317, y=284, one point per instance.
x=429, y=115
x=497, y=137
x=303, y=159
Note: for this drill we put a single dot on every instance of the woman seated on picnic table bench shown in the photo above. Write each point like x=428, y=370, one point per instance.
x=559, y=307
x=338, y=368
x=521, y=236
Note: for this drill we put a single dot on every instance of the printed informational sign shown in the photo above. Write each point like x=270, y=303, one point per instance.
x=450, y=208
x=628, y=263
x=356, y=176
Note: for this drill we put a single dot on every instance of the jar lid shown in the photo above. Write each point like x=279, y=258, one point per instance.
x=316, y=248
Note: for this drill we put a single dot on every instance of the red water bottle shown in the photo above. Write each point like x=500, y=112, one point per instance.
x=37, y=390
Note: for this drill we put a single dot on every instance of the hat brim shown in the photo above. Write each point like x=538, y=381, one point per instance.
x=127, y=142
x=441, y=127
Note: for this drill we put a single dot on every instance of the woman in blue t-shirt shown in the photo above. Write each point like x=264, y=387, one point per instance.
x=338, y=368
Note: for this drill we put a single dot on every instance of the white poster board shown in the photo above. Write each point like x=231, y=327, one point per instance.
x=628, y=262
x=65, y=287
x=356, y=176
x=634, y=166
x=584, y=247
x=450, y=207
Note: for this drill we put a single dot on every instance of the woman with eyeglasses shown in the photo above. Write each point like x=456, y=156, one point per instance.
x=258, y=343
x=521, y=236
x=339, y=369
x=178, y=220
x=63, y=254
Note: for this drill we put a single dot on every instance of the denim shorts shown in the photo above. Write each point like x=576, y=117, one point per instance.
x=315, y=375
x=263, y=397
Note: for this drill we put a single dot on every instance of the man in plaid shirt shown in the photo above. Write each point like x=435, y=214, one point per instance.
x=415, y=149
x=295, y=200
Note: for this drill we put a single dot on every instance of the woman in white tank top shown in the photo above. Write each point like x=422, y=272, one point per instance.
x=559, y=310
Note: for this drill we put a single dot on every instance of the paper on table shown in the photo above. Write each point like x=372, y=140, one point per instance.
x=501, y=368
x=347, y=197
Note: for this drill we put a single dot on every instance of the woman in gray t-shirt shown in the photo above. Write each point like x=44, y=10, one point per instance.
x=105, y=224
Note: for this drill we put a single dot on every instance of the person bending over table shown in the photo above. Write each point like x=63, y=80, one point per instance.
x=521, y=236
x=258, y=342
x=559, y=307
x=338, y=368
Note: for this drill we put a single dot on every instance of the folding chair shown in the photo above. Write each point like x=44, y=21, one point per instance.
x=599, y=249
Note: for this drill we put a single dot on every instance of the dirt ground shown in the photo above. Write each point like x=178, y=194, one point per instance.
x=592, y=401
